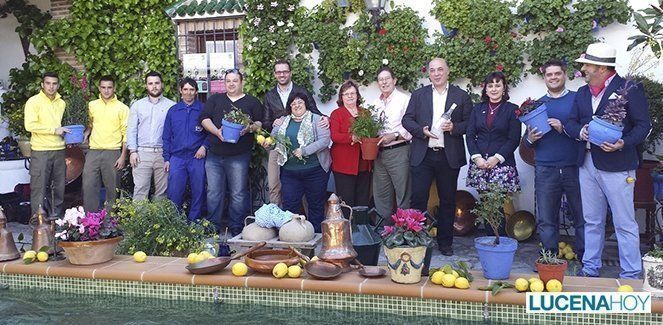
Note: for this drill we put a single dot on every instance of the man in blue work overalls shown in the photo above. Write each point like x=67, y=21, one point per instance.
x=184, y=149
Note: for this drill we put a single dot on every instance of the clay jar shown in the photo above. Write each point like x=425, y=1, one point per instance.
x=298, y=229
x=255, y=232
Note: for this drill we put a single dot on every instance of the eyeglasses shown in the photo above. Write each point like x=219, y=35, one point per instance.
x=297, y=102
x=387, y=79
x=349, y=94
x=282, y=72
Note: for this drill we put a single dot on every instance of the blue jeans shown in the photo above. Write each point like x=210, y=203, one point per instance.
x=231, y=173
x=311, y=182
x=550, y=183
x=185, y=171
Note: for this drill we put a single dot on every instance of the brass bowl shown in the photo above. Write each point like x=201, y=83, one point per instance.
x=520, y=225
x=74, y=160
x=264, y=260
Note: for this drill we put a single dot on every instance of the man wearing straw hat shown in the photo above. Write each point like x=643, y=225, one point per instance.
x=607, y=171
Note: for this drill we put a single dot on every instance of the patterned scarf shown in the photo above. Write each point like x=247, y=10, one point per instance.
x=305, y=136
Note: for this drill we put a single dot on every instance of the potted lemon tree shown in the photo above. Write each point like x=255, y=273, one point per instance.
x=405, y=245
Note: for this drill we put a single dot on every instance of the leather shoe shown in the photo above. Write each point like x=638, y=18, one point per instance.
x=447, y=251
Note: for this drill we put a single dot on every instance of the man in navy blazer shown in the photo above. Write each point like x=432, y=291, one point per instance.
x=438, y=148
x=607, y=170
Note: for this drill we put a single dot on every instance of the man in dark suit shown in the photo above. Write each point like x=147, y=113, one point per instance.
x=607, y=170
x=438, y=149
x=275, y=102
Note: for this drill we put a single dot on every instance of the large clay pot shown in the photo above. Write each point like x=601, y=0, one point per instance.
x=405, y=263
x=90, y=252
x=24, y=146
x=255, y=232
x=369, y=148
x=548, y=272
x=653, y=275
x=298, y=229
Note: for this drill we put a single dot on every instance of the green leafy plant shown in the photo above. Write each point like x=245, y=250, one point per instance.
x=159, y=229
x=409, y=229
x=368, y=123
x=656, y=252
x=76, y=110
x=649, y=22
x=549, y=257
x=497, y=286
x=489, y=209
x=237, y=116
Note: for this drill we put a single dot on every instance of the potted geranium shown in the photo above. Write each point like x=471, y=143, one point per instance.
x=608, y=127
x=405, y=245
x=87, y=237
x=550, y=267
x=75, y=117
x=495, y=252
x=652, y=264
x=233, y=123
x=534, y=114
x=367, y=126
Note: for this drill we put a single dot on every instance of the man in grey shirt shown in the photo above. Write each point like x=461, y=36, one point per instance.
x=144, y=141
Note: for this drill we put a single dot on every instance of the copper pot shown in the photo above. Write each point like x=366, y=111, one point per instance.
x=337, y=235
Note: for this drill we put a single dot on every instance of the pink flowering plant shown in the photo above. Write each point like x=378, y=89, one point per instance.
x=409, y=229
x=78, y=225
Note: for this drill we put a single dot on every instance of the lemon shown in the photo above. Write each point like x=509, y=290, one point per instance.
x=521, y=284
x=437, y=277
x=43, y=257
x=200, y=258
x=561, y=245
x=455, y=273
x=533, y=279
x=260, y=139
x=206, y=254
x=191, y=258
x=567, y=250
x=314, y=258
x=30, y=254
x=461, y=283
x=570, y=255
x=536, y=286
x=433, y=232
x=625, y=288
x=280, y=270
x=269, y=140
x=140, y=256
x=448, y=280
x=294, y=271
x=554, y=286
x=239, y=269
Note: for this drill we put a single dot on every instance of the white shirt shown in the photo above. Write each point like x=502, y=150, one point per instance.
x=284, y=94
x=394, y=108
x=439, y=103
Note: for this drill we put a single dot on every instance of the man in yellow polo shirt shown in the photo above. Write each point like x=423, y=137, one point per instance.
x=43, y=119
x=108, y=147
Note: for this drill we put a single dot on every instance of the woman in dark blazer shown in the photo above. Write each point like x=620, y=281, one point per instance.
x=352, y=174
x=493, y=134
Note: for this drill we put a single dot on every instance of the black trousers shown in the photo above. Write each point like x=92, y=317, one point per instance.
x=353, y=189
x=436, y=167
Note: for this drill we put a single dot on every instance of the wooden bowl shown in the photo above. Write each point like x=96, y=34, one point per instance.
x=264, y=260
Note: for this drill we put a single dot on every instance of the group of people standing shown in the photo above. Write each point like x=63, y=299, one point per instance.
x=424, y=140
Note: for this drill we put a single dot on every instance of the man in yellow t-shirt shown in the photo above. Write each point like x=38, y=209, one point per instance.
x=43, y=119
x=108, y=146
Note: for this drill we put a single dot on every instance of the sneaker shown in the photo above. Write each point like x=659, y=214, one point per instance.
x=582, y=273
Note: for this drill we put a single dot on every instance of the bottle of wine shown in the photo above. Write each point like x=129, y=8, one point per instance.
x=446, y=116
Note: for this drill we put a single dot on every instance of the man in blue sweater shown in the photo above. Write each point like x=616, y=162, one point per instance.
x=185, y=148
x=556, y=156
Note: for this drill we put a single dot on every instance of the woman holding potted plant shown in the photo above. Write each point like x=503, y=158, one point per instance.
x=305, y=165
x=352, y=174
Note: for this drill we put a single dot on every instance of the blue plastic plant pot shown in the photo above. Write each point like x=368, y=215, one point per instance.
x=601, y=131
x=538, y=119
x=75, y=135
x=231, y=131
x=496, y=260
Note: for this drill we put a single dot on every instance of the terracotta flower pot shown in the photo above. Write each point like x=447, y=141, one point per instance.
x=551, y=271
x=90, y=252
x=405, y=263
x=369, y=148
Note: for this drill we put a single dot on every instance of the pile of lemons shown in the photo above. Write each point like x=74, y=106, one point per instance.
x=31, y=256
x=198, y=257
x=566, y=251
x=281, y=270
x=537, y=285
x=449, y=278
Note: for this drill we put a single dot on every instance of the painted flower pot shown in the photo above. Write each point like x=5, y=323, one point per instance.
x=75, y=135
x=658, y=186
x=538, y=119
x=548, y=272
x=601, y=131
x=496, y=260
x=369, y=148
x=405, y=263
x=653, y=275
x=231, y=131
x=90, y=252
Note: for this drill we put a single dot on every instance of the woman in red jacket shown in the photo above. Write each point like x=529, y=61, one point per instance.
x=351, y=173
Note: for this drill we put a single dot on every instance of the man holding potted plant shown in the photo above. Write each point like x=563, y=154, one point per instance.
x=391, y=174
x=144, y=131
x=108, y=147
x=556, y=170
x=607, y=172
x=43, y=117
x=438, y=148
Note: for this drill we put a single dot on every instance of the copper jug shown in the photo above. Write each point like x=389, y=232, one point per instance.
x=8, y=249
x=337, y=236
x=42, y=234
